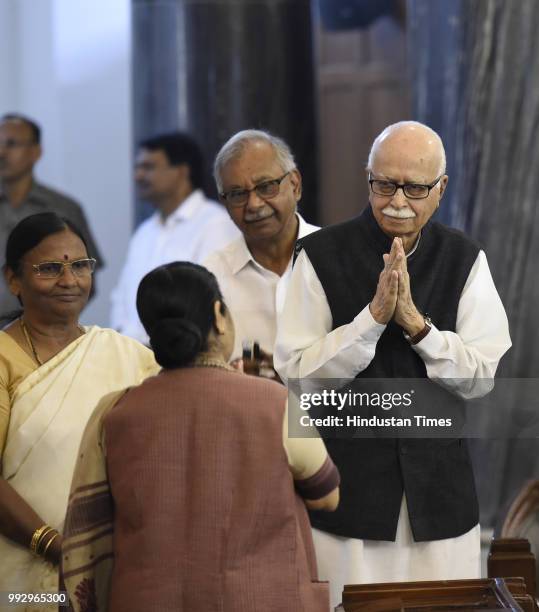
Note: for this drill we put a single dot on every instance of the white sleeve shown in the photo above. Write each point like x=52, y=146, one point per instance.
x=306, y=346
x=213, y=263
x=218, y=232
x=123, y=313
x=118, y=311
x=306, y=455
x=466, y=361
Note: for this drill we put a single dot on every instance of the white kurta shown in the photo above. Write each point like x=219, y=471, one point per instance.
x=306, y=346
x=196, y=228
x=254, y=295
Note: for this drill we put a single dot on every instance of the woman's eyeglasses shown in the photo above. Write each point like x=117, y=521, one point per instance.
x=54, y=269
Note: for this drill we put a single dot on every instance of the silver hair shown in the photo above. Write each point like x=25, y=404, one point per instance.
x=235, y=146
x=391, y=128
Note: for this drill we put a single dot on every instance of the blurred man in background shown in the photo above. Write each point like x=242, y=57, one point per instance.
x=21, y=195
x=186, y=226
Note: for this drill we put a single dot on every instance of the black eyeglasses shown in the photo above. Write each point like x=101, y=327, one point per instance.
x=266, y=190
x=54, y=269
x=414, y=191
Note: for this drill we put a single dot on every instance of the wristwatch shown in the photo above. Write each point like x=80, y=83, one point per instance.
x=419, y=336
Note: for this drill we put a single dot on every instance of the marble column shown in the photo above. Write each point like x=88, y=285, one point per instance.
x=213, y=67
x=476, y=81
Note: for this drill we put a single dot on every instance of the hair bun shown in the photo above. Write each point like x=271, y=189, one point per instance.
x=176, y=342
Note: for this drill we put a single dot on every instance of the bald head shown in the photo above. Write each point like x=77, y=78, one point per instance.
x=407, y=179
x=414, y=143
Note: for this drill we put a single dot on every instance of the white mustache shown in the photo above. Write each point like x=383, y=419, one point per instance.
x=259, y=216
x=400, y=213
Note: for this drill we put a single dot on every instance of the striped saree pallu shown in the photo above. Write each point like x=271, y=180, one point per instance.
x=87, y=553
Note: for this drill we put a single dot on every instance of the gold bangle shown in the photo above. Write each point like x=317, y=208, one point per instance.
x=35, y=537
x=42, y=539
x=38, y=533
x=44, y=553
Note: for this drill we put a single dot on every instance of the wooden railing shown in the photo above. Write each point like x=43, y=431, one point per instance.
x=439, y=596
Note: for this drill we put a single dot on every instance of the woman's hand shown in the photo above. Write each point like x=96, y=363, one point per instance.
x=19, y=522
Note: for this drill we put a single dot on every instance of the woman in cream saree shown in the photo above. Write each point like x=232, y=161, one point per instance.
x=49, y=412
x=53, y=372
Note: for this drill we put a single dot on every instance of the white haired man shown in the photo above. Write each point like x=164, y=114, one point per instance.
x=260, y=186
x=408, y=508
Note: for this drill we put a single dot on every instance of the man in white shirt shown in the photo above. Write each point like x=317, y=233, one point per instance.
x=356, y=308
x=185, y=227
x=259, y=183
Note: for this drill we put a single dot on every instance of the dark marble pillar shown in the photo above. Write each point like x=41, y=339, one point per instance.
x=213, y=67
x=476, y=78
x=435, y=40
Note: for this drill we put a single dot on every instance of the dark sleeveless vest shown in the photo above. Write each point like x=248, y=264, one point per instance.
x=435, y=474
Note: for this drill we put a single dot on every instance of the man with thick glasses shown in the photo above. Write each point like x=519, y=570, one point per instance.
x=260, y=186
x=392, y=294
x=21, y=195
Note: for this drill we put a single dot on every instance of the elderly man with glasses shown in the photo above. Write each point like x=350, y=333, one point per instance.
x=356, y=308
x=260, y=186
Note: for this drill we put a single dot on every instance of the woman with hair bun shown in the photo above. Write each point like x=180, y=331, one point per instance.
x=199, y=470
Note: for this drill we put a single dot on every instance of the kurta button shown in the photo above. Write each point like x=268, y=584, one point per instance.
x=403, y=450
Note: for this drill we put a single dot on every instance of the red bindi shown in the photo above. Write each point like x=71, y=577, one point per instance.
x=66, y=257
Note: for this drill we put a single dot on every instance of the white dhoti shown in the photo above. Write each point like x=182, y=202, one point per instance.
x=352, y=561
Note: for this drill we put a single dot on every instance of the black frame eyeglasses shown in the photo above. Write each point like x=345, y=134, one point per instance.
x=414, y=191
x=235, y=198
x=54, y=269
